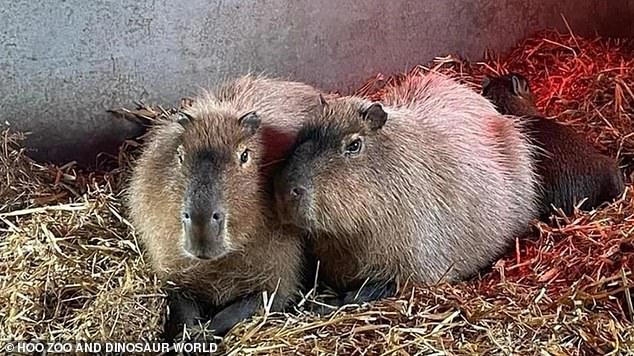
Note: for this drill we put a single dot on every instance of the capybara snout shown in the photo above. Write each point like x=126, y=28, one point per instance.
x=203, y=233
x=294, y=196
x=204, y=217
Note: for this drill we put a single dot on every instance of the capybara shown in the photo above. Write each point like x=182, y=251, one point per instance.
x=199, y=200
x=433, y=182
x=569, y=167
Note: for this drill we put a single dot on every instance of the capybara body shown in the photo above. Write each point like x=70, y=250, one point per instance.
x=434, y=182
x=199, y=201
x=569, y=167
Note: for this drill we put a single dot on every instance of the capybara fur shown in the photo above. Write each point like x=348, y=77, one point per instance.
x=199, y=200
x=569, y=167
x=433, y=182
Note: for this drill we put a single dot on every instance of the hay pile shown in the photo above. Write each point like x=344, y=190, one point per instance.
x=70, y=267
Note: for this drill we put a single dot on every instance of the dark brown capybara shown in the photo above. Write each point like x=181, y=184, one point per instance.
x=569, y=167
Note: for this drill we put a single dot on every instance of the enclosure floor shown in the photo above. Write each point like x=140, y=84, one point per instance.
x=71, y=268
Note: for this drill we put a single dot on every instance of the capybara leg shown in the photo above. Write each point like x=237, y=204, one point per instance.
x=184, y=310
x=234, y=313
x=371, y=291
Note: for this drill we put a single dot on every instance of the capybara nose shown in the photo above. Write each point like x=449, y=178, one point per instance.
x=186, y=218
x=297, y=193
x=218, y=218
x=203, y=232
x=203, y=226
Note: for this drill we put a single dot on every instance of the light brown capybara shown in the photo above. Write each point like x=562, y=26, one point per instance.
x=431, y=182
x=199, y=200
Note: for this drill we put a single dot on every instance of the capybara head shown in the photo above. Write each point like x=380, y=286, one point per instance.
x=511, y=94
x=216, y=159
x=326, y=181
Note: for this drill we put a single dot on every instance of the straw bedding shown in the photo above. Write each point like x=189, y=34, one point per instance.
x=71, y=269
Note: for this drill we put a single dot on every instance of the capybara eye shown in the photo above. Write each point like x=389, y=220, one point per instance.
x=354, y=147
x=244, y=157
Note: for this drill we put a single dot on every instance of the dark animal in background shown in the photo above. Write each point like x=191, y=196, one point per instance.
x=570, y=168
x=199, y=200
x=433, y=182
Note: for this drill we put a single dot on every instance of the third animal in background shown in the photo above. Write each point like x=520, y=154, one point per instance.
x=570, y=168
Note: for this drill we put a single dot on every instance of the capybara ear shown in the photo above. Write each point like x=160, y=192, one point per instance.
x=375, y=116
x=520, y=85
x=183, y=118
x=250, y=122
